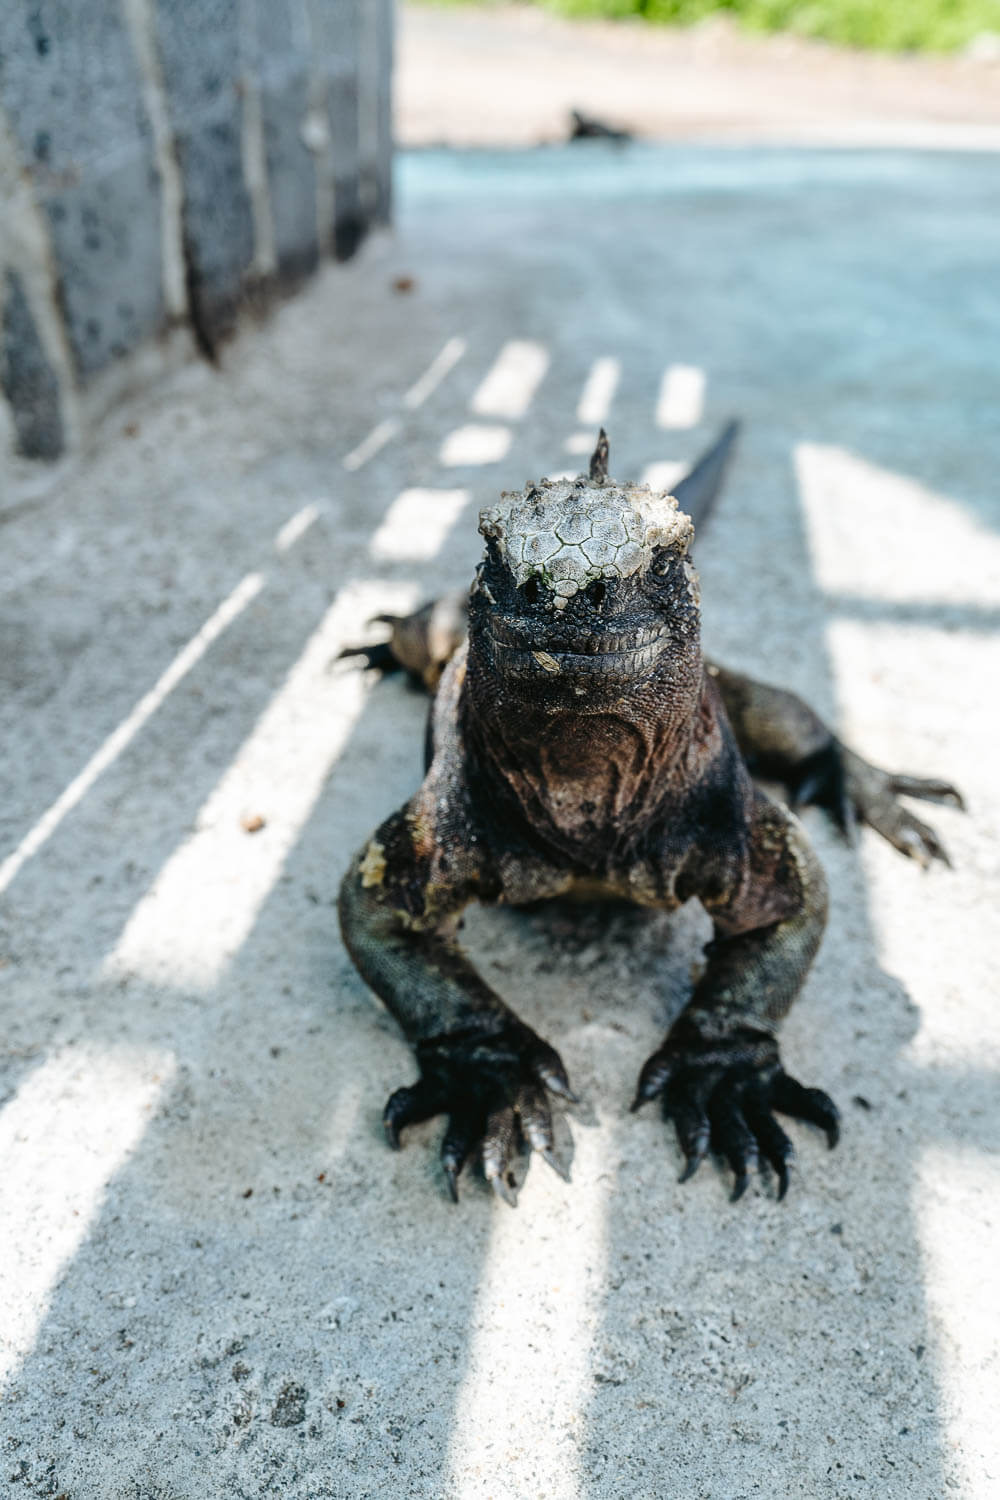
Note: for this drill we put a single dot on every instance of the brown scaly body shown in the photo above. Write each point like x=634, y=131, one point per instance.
x=580, y=746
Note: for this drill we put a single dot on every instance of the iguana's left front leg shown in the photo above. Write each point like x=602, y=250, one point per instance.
x=781, y=737
x=718, y=1071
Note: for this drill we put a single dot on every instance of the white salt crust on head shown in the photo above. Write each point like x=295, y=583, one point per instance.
x=569, y=533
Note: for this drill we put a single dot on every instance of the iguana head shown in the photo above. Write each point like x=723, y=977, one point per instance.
x=586, y=588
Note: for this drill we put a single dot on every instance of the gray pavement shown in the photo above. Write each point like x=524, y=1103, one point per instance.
x=217, y=1281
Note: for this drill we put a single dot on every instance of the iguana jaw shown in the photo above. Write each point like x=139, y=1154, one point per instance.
x=623, y=656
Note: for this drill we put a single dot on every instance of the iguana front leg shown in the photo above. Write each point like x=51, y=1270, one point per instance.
x=479, y=1063
x=718, y=1071
x=782, y=738
x=422, y=643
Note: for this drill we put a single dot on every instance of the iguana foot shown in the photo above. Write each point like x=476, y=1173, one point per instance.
x=377, y=658
x=722, y=1094
x=494, y=1089
x=852, y=790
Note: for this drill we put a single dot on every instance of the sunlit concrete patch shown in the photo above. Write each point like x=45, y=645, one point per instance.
x=440, y=366
x=120, y=738
x=858, y=513
x=902, y=689
x=202, y=905
x=681, y=401
x=67, y=1131
x=956, y=1208
x=475, y=444
x=521, y=1413
x=382, y=433
x=417, y=524
x=510, y=385
x=599, y=391
x=296, y=527
x=663, y=474
x=390, y=427
x=342, y=1124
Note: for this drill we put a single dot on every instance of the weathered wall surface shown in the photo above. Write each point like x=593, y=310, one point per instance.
x=162, y=161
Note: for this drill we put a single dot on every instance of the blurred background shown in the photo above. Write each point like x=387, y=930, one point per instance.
x=165, y=165
x=289, y=289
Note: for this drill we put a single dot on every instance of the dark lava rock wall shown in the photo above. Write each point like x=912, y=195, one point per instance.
x=162, y=162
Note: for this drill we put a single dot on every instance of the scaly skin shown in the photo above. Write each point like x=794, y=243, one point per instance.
x=580, y=746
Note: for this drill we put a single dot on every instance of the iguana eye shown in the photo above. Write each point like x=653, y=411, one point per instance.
x=661, y=564
x=596, y=591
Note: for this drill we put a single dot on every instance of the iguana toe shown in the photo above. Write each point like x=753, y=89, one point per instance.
x=875, y=794
x=789, y=1097
x=377, y=658
x=819, y=781
x=408, y=1106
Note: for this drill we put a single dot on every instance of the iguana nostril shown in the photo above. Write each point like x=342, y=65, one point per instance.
x=596, y=591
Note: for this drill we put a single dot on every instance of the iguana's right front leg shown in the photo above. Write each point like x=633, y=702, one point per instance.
x=479, y=1063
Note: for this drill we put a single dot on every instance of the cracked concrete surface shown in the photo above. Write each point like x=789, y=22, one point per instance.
x=217, y=1280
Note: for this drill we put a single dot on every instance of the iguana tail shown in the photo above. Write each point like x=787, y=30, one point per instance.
x=696, y=493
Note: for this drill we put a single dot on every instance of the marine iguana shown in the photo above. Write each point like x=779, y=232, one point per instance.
x=579, y=744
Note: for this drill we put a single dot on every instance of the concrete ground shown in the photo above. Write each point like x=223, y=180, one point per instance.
x=217, y=1280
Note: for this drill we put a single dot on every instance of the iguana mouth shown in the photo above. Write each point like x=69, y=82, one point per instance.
x=521, y=650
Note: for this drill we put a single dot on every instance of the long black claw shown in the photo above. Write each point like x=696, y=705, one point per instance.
x=692, y=1127
x=920, y=842
x=739, y=1187
x=559, y=1086
x=813, y=1105
x=732, y=1136
x=498, y=1182
x=692, y=1164
x=653, y=1079
x=547, y=1066
x=455, y=1149
x=772, y=1141
x=408, y=1106
x=557, y=1166
x=535, y=1118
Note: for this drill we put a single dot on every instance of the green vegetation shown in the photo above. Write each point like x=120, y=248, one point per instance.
x=888, y=25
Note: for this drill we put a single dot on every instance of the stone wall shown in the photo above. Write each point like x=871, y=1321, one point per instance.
x=162, y=162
